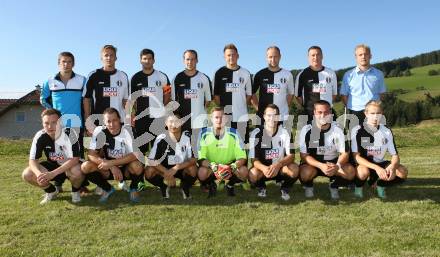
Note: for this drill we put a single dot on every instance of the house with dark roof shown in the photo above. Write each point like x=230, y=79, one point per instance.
x=20, y=118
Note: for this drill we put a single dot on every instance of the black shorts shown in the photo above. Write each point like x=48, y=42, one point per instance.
x=320, y=173
x=50, y=166
x=373, y=174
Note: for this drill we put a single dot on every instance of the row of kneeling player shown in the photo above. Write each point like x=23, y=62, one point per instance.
x=221, y=157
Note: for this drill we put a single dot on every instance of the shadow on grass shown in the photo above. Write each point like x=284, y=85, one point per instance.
x=415, y=189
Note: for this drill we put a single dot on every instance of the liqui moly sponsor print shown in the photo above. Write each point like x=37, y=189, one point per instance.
x=148, y=91
x=115, y=153
x=232, y=87
x=110, y=91
x=56, y=157
x=319, y=88
x=190, y=93
x=323, y=150
x=272, y=154
x=373, y=150
x=273, y=88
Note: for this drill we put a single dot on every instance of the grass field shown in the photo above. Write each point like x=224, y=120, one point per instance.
x=419, y=78
x=406, y=224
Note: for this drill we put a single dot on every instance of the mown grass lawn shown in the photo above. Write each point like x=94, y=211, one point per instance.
x=406, y=224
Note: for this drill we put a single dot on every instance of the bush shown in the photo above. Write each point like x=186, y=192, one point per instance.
x=432, y=72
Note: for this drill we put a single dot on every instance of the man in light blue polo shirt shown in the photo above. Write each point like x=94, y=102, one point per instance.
x=362, y=83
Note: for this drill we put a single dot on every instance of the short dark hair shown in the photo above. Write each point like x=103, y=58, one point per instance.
x=48, y=112
x=145, y=52
x=194, y=52
x=66, y=54
x=274, y=47
x=230, y=46
x=322, y=102
x=111, y=110
x=272, y=106
x=315, y=48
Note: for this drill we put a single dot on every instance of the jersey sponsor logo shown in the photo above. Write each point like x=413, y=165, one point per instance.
x=265, y=79
x=224, y=79
x=115, y=153
x=232, y=87
x=373, y=150
x=181, y=85
x=53, y=156
x=190, y=93
x=48, y=147
x=323, y=150
x=319, y=88
x=273, y=88
x=271, y=154
x=101, y=83
x=109, y=91
x=139, y=84
x=148, y=91
x=283, y=80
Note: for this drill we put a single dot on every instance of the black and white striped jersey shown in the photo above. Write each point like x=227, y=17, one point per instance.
x=316, y=85
x=191, y=92
x=274, y=88
x=372, y=143
x=269, y=149
x=168, y=152
x=107, y=89
x=57, y=151
x=113, y=146
x=323, y=145
x=151, y=89
x=233, y=86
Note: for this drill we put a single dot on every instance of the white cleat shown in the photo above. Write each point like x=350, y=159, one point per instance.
x=48, y=197
x=262, y=192
x=285, y=195
x=334, y=193
x=99, y=191
x=123, y=186
x=76, y=197
x=308, y=192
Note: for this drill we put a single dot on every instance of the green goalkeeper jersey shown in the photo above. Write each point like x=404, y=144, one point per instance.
x=223, y=150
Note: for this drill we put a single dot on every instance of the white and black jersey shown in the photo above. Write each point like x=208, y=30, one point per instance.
x=191, y=92
x=274, y=87
x=57, y=151
x=323, y=145
x=113, y=146
x=372, y=143
x=168, y=152
x=107, y=89
x=151, y=89
x=312, y=86
x=269, y=149
x=233, y=86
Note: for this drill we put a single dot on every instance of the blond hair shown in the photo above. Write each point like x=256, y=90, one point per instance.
x=109, y=47
x=363, y=46
x=374, y=103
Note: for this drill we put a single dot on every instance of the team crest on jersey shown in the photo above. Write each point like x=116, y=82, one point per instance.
x=189, y=93
x=384, y=141
x=199, y=85
x=232, y=87
x=273, y=88
x=158, y=83
x=328, y=80
x=183, y=149
x=53, y=156
x=109, y=91
x=271, y=154
x=115, y=153
x=283, y=80
x=119, y=83
x=241, y=80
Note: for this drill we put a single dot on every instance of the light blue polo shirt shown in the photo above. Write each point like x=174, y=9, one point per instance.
x=362, y=86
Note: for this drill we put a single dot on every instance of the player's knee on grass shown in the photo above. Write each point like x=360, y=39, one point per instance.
x=203, y=173
x=255, y=175
x=349, y=171
x=402, y=172
x=135, y=168
x=362, y=172
x=307, y=172
x=88, y=167
x=242, y=173
x=29, y=177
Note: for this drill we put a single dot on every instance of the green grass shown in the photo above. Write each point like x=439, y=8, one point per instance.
x=406, y=224
x=419, y=78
